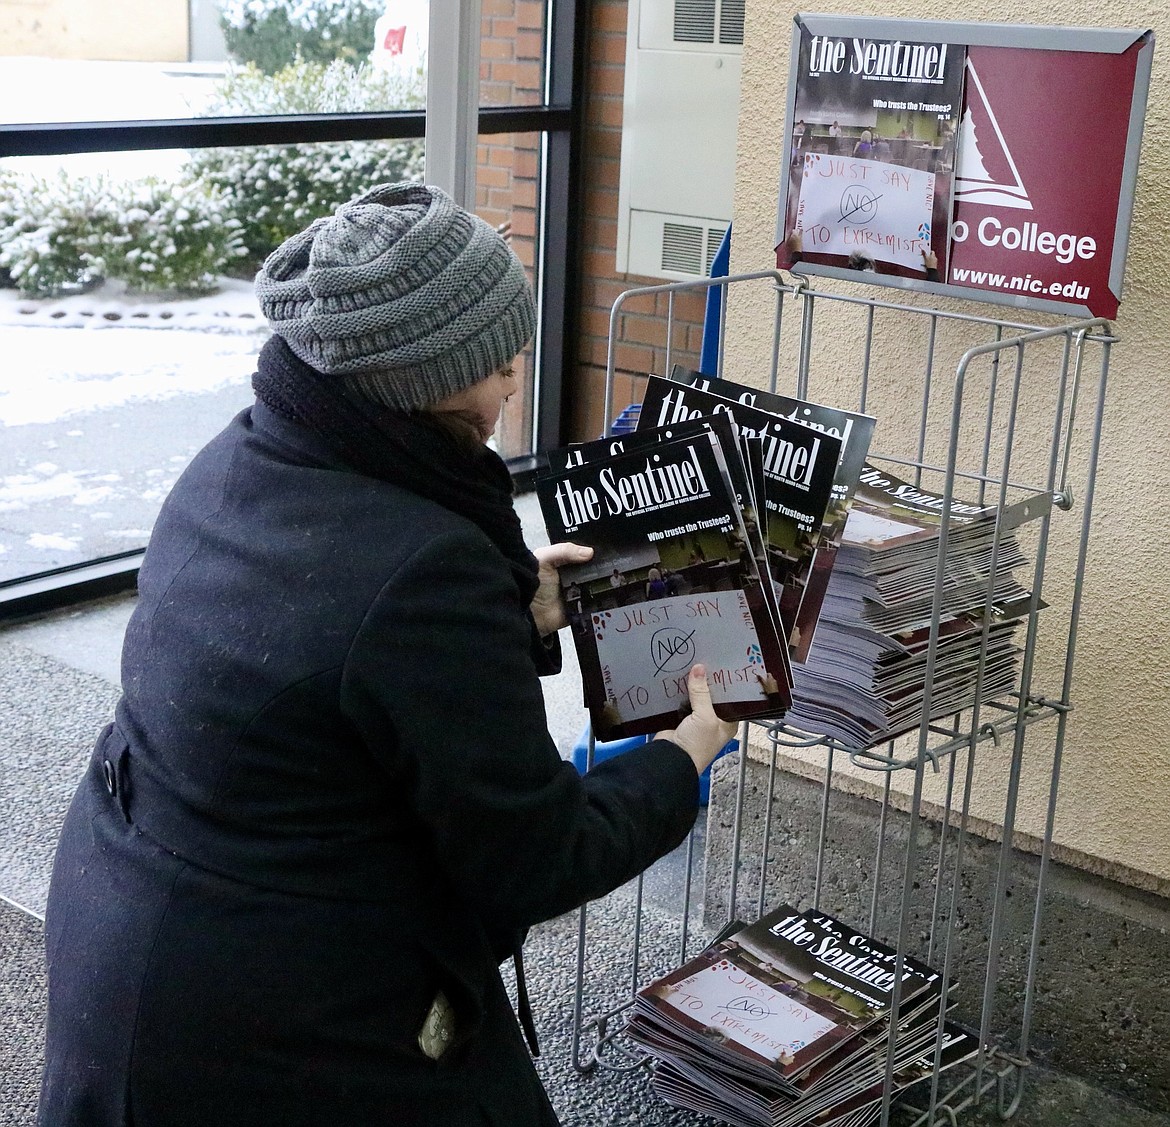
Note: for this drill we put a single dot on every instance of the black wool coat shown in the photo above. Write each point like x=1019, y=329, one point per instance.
x=329, y=793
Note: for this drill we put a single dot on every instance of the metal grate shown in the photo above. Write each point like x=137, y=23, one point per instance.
x=714, y=240
x=694, y=21
x=682, y=249
x=731, y=21
x=947, y=903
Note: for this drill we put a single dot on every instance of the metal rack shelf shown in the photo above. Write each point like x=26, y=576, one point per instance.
x=1020, y=417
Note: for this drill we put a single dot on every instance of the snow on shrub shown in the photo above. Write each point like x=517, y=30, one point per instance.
x=273, y=191
x=172, y=238
x=233, y=206
x=64, y=234
x=52, y=232
x=274, y=33
x=305, y=86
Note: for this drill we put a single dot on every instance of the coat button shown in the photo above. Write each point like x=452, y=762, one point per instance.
x=111, y=777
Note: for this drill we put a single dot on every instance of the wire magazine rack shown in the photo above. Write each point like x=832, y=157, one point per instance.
x=969, y=407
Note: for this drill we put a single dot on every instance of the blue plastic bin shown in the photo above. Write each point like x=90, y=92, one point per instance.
x=603, y=751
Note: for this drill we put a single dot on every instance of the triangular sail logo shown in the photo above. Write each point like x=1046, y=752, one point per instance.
x=973, y=183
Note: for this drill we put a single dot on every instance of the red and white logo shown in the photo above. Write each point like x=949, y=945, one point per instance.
x=979, y=133
x=1040, y=173
x=393, y=39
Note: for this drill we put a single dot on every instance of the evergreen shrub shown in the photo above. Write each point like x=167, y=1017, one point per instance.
x=172, y=238
x=66, y=234
x=51, y=233
x=273, y=191
x=272, y=34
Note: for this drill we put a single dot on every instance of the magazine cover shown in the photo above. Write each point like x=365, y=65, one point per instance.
x=855, y=432
x=870, y=171
x=672, y=582
x=776, y=997
x=891, y=513
x=724, y=428
x=799, y=466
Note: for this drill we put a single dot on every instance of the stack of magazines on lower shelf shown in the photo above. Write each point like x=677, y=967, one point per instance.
x=786, y=1022
x=865, y=679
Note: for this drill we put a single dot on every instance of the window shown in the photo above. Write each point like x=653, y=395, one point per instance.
x=140, y=176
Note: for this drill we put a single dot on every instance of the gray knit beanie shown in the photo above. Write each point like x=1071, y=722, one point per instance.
x=402, y=291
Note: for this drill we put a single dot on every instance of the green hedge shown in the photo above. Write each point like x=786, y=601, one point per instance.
x=65, y=234
x=274, y=191
x=272, y=34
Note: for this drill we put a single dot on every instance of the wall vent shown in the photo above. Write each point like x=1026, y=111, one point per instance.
x=689, y=249
x=731, y=21
x=682, y=249
x=694, y=21
x=714, y=239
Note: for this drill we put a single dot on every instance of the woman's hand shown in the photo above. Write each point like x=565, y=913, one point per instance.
x=548, y=606
x=701, y=734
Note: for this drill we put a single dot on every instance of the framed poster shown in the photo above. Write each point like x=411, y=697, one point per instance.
x=993, y=162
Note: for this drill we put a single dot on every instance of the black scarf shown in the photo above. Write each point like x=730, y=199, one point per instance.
x=412, y=450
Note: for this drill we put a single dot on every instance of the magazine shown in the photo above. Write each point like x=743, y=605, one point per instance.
x=744, y=475
x=775, y=998
x=854, y=1103
x=868, y=180
x=672, y=582
x=855, y=432
x=785, y=1023
x=799, y=466
x=865, y=678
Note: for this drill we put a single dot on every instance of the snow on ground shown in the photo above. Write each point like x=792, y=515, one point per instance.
x=39, y=89
x=78, y=354
x=104, y=398
x=53, y=374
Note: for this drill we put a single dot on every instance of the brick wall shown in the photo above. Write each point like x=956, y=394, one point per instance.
x=511, y=70
x=641, y=330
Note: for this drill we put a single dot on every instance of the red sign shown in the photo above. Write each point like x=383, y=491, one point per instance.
x=1038, y=182
x=394, y=39
x=1030, y=136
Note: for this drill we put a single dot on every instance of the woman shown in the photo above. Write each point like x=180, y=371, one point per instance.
x=328, y=805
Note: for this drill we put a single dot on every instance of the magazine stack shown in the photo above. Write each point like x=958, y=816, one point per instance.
x=855, y=432
x=676, y=577
x=794, y=476
x=786, y=1022
x=713, y=524
x=865, y=678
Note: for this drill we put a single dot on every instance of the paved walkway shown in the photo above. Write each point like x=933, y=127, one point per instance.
x=58, y=678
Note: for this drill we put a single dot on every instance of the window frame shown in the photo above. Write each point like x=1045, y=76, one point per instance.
x=559, y=122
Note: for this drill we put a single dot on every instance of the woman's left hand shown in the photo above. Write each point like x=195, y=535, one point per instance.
x=548, y=607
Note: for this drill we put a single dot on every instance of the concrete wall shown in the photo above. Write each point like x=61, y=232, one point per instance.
x=139, y=30
x=1102, y=998
x=1116, y=787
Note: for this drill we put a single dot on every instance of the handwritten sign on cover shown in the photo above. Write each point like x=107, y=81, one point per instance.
x=647, y=649
x=880, y=210
x=725, y=998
